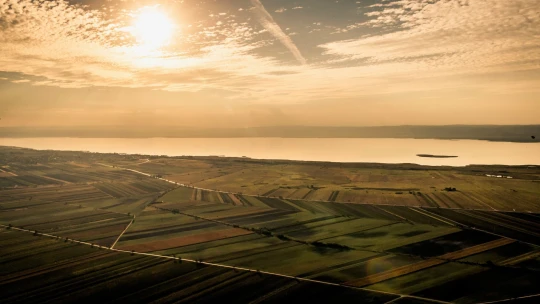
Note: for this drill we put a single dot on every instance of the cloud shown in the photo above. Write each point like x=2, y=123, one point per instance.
x=72, y=46
x=59, y=41
x=280, y=10
x=271, y=26
x=405, y=47
x=449, y=37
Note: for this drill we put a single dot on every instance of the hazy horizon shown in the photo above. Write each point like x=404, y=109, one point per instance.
x=253, y=63
x=502, y=133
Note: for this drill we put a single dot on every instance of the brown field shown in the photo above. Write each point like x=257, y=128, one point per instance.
x=374, y=183
x=115, y=229
x=299, y=193
x=186, y=240
x=235, y=199
x=6, y=173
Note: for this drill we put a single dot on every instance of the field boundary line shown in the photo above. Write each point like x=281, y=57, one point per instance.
x=225, y=266
x=393, y=300
x=471, y=195
x=274, y=292
x=121, y=234
x=485, y=231
x=521, y=258
x=511, y=299
x=494, y=222
x=392, y=213
x=426, y=213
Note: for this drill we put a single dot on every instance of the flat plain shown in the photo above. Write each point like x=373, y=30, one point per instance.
x=197, y=229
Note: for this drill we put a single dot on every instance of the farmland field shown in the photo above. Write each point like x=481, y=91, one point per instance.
x=46, y=275
x=264, y=231
x=405, y=185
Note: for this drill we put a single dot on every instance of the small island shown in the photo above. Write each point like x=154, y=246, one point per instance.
x=435, y=156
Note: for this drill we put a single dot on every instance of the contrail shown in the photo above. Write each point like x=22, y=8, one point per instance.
x=270, y=25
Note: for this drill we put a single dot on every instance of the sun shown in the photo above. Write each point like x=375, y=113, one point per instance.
x=152, y=28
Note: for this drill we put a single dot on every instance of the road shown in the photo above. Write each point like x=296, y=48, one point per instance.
x=121, y=234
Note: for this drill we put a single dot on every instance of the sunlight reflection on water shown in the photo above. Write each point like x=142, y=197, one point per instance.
x=383, y=150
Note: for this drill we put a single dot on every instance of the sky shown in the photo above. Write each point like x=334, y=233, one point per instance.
x=248, y=63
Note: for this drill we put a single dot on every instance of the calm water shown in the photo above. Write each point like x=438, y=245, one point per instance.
x=384, y=150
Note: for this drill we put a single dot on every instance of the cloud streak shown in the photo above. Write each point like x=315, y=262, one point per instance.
x=271, y=26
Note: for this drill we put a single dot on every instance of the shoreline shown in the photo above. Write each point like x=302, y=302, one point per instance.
x=275, y=161
x=495, y=140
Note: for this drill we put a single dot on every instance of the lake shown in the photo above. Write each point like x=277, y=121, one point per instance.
x=380, y=150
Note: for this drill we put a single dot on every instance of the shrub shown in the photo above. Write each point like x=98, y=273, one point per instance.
x=283, y=237
x=330, y=245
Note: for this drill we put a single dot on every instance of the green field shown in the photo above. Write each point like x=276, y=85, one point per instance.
x=380, y=232
x=40, y=269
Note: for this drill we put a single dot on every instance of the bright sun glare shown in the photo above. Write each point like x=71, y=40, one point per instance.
x=152, y=28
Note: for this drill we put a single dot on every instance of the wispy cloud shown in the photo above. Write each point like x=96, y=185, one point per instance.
x=271, y=26
x=449, y=37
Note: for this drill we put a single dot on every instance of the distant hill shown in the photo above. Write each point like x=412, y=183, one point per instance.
x=509, y=133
